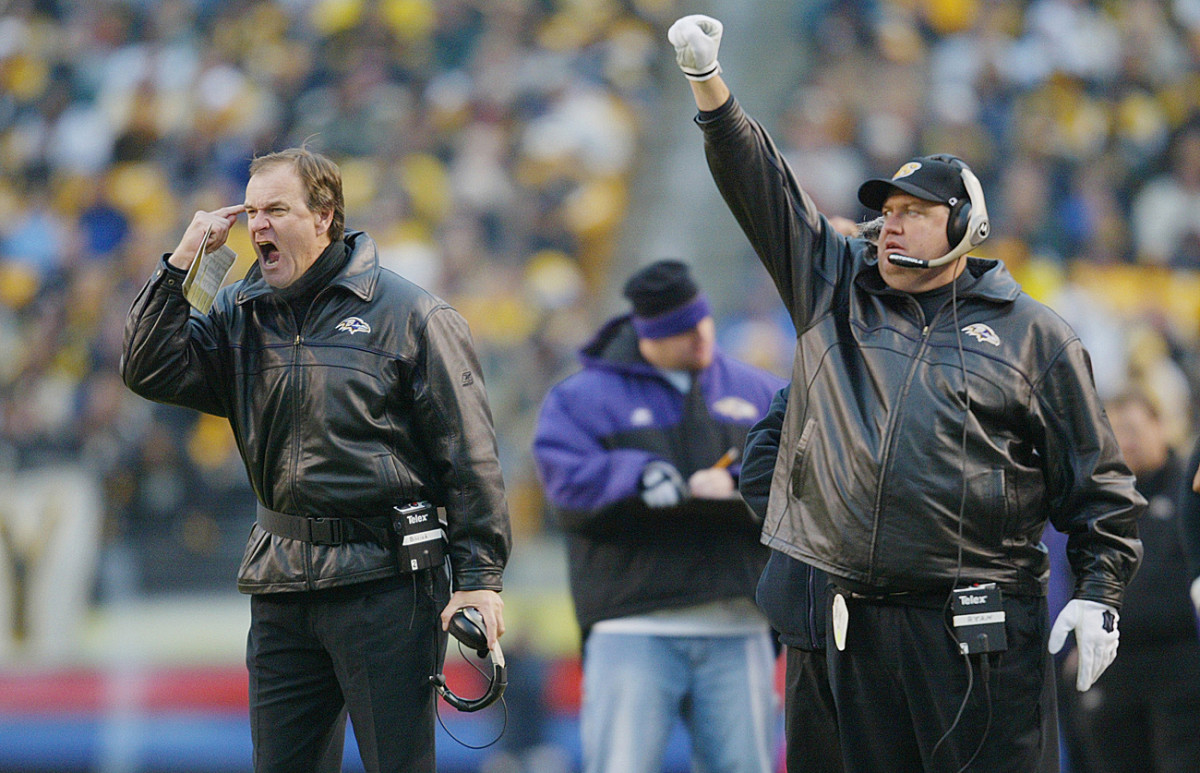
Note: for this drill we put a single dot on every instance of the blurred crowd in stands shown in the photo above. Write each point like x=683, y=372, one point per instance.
x=490, y=146
x=485, y=144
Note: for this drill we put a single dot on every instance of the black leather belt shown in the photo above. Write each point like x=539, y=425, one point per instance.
x=320, y=531
x=928, y=599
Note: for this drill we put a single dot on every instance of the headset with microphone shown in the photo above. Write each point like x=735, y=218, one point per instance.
x=468, y=627
x=968, y=225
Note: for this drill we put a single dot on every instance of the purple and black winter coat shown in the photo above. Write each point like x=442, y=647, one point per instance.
x=596, y=432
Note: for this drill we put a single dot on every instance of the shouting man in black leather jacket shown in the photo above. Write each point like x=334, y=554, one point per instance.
x=938, y=418
x=351, y=392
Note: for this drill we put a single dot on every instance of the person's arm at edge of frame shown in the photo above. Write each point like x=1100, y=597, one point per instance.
x=458, y=419
x=1188, y=523
x=762, y=448
x=1096, y=504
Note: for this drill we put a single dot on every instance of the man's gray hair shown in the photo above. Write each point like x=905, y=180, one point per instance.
x=871, y=229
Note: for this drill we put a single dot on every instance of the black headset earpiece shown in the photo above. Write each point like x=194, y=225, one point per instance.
x=960, y=209
x=468, y=627
x=959, y=222
x=969, y=219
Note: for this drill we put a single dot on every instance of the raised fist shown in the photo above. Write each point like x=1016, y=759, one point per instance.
x=696, y=39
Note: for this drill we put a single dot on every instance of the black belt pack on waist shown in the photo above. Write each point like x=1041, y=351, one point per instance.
x=420, y=538
x=415, y=529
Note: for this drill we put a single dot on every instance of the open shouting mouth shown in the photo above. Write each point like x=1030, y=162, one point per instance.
x=269, y=253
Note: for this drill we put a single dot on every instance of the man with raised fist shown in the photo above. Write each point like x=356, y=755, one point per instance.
x=938, y=417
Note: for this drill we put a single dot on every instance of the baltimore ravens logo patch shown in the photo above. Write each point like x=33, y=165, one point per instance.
x=982, y=333
x=353, y=325
x=736, y=408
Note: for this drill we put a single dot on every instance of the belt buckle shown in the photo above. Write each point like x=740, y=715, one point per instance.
x=325, y=531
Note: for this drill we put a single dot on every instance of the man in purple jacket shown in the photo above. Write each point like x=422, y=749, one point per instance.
x=638, y=454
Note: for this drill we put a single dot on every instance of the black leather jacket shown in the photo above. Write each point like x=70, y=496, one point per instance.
x=377, y=401
x=875, y=481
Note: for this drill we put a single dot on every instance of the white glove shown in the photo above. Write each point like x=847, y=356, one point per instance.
x=1096, y=637
x=1196, y=594
x=696, y=39
x=662, y=485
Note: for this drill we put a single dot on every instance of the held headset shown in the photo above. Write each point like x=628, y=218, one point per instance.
x=468, y=627
x=968, y=225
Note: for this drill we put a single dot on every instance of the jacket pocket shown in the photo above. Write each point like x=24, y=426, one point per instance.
x=800, y=461
x=986, y=495
x=394, y=478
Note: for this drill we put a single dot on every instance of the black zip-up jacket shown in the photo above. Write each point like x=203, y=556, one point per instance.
x=875, y=482
x=377, y=401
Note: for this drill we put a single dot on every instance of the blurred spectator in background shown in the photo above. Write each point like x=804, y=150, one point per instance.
x=1189, y=523
x=639, y=453
x=1163, y=216
x=1142, y=713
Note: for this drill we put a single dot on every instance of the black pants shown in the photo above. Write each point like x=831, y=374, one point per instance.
x=900, y=683
x=809, y=715
x=313, y=656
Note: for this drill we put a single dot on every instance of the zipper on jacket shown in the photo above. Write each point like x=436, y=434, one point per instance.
x=297, y=421
x=293, y=463
x=890, y=439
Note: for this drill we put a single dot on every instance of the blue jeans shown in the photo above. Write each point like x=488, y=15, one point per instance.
x=635, y=686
